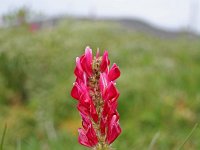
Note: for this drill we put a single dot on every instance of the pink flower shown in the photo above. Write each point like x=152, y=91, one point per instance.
x=114, y=73
x=105, y=62
x=87, y=137
x=96, y=92
x=113, y=129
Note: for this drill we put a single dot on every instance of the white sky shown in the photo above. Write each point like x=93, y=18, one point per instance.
x=171, y=14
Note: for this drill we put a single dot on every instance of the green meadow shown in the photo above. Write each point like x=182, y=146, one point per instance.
x=159, y=101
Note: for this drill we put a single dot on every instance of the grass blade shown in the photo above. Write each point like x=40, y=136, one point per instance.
x=188, y=137
x=153, y=141
x=3, y=137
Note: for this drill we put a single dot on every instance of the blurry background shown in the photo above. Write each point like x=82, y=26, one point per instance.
x=156, y=44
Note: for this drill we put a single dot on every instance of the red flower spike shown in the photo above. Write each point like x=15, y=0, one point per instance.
x=95, y=90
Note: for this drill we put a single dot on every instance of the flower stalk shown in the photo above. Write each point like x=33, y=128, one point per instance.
x=96, y=92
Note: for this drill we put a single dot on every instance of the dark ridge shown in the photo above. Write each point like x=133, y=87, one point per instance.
x=144, y=27
x=127, y=23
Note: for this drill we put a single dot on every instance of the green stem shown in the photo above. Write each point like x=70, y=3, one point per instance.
x=189, y=135
x=102, y=147
x=154, y=140
x=3, y=137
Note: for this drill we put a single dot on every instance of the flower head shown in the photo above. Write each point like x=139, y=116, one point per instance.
x=96, y=92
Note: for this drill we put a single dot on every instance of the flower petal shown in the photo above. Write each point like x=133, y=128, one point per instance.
x=86, y=61
x=82, y=138
x=97, y=54
x=75, y=93
x=111, y=92
x=114, y=73
x=82, y=109
x=85, y=121
x=78, y=70
x=103, y=82
x=103, y=126
x=105, y=62
x=109, y=109
x=93, y=112
x=114, y=129
x=91, y=135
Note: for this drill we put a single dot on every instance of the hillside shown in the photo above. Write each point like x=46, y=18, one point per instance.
x=159, y=85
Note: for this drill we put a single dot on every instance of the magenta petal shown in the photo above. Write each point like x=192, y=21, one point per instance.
x=78, y=80
x=97, y=54
x=75, y=93
x=105, y=62
x=84, y=78
x=87, y=68
x=84, y=98
x=88, y=58
x=93, y=112
x=85, y=121
x=88, y=55
x=106, y=109
x=111, y=92
x=88, y=136
x=114, y=73
x=114, y=129
x=103, y=126
x=82, y=138
x=113, y=106
x=78, y=70
x=103, y=82
x=82, y=109
x=109, y=109
x=91, y=135
x=111, y=114
x=83, y=63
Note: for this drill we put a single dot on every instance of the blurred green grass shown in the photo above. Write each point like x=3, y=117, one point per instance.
x=159, y=86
